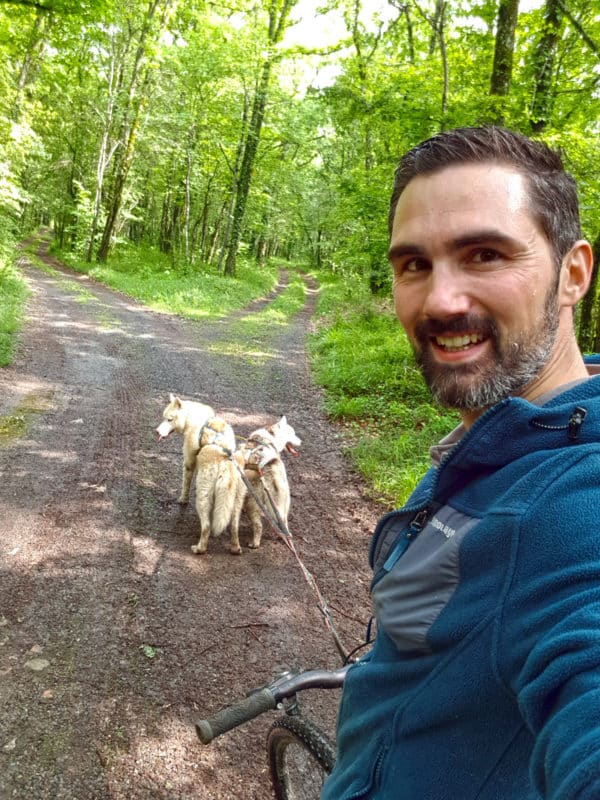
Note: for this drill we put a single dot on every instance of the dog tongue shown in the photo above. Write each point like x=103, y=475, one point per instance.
x=291, y=449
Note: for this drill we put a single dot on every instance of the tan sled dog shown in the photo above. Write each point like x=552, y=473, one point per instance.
x=186, y=417
x=220, y=490
x=267, y=475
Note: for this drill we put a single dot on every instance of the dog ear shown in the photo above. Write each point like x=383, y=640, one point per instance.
x=283, y=421
x=171, y=397
x=177, y=401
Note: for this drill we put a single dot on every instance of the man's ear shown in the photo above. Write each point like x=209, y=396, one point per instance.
x=576, y=273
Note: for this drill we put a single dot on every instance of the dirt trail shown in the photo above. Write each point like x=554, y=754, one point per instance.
x=113, y=636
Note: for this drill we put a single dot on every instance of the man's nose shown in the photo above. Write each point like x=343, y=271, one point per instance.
x=446, y=293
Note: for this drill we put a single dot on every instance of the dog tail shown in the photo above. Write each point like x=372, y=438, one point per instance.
x=224, y=499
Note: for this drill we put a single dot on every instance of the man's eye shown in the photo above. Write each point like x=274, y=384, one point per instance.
x=484, y=256
x=412, y=265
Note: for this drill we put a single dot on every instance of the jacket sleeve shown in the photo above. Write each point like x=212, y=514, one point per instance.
x=548, y=637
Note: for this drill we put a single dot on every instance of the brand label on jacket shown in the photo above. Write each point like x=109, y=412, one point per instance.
x=411, y=596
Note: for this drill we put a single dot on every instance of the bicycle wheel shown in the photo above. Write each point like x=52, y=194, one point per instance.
x=300, y=758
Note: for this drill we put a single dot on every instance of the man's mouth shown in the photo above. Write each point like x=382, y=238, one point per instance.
x=453, y=344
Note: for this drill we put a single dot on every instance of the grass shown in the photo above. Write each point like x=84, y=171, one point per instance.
x=250, y=336
x=200, y=293
x=13, y=292
x=16, y=424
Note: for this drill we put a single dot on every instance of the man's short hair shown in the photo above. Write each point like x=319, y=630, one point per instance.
x=552, y=191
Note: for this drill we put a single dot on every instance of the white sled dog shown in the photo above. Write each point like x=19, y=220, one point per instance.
x=266, y=473
x=186, y=417
x=220, y=490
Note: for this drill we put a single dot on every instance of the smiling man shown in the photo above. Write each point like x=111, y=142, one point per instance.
x=483, y=682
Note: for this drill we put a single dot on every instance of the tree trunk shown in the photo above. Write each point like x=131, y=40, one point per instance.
x=278, y=20
x=508, y=14
x=444, y=55
x=588, y=334
x=138, y=90
x=544, y=60
x=247, y=166
x=235, y=182
x=437, y=22
x=165, y=241
x=32, y=58
x=203, y=221
x=190, y=147
x=216, y=233
x=105, y=155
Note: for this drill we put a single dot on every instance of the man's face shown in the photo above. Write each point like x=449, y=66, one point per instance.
x=475, y=284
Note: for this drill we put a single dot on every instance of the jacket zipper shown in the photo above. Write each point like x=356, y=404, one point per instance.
x=375, y=780
x=402, y=543
x=422, y=513
x=418, y=523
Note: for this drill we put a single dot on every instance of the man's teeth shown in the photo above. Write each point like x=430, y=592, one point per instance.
x=458, y=342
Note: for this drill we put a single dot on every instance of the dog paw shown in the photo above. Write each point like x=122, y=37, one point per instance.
x=183, y=501
x=199, y=551
x=253, y=545
x=236, y=551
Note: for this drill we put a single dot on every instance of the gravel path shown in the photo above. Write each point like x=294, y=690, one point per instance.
x=113, y=636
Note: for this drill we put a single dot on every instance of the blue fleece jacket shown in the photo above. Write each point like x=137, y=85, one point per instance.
x=484, y=678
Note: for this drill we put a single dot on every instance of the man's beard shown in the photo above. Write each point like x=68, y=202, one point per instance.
x=510, y=368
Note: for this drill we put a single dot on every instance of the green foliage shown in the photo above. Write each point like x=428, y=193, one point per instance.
x=73, y=95
x=392, y=452
x=13, y=291
x=148, y=276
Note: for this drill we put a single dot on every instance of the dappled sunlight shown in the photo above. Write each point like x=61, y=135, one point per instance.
x=163, y=754
x=272, y=317
x=172, y=762
x=24, y=384
x=76, y=326
x=140, y=635
x=147, y=555
x=63, y=456
x=242, y=350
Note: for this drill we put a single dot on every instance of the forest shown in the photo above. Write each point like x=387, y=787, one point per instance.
x=202, y=137
x=259, y=128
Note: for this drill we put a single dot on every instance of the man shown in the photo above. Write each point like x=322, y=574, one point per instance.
x=484, y=678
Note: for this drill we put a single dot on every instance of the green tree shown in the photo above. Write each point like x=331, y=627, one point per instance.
x=544, y=62
x=508, y=13
x=278, y=12
x=154, y=23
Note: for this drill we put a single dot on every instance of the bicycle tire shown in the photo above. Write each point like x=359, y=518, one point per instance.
x=300, y=756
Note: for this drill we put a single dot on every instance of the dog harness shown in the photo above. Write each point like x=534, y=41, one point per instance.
x=262, y=453
x=213, y=432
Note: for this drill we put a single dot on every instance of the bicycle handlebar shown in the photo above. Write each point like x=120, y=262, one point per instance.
x=234, y=715
x=267, y=699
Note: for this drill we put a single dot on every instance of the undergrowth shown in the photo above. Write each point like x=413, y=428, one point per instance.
x=193, y=292
x=13, y=292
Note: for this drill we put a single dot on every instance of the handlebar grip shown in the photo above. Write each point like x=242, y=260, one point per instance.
x=234, y=715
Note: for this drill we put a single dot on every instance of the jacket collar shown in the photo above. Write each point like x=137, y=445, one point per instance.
x=515, y=427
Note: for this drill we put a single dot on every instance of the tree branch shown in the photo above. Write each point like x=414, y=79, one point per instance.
x=579, y=28
x=29, y=4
